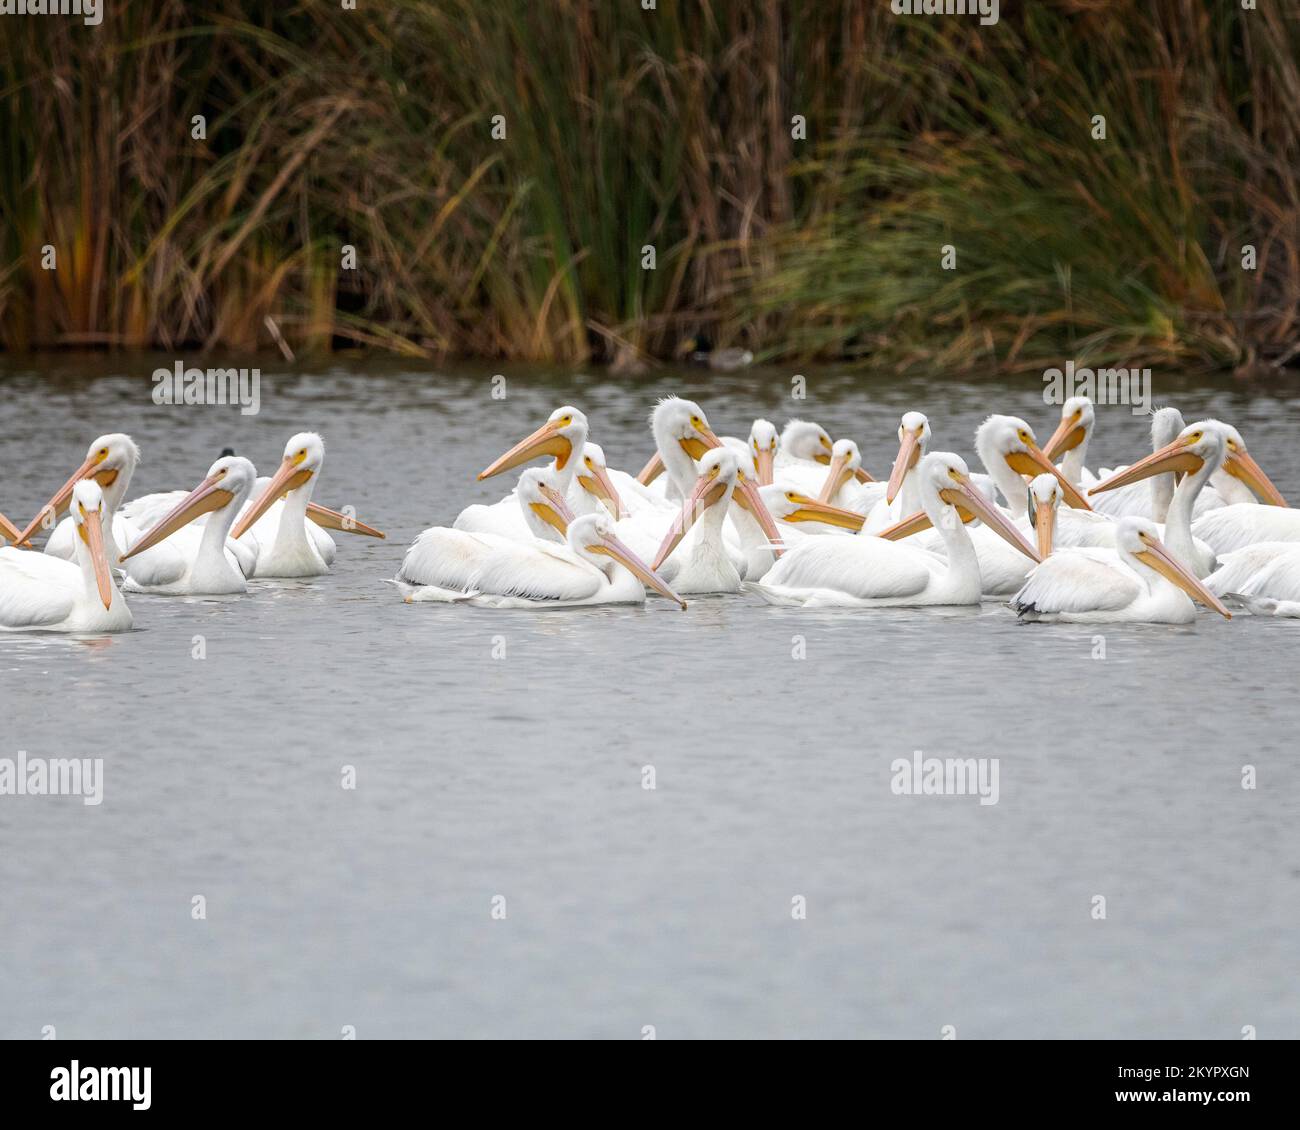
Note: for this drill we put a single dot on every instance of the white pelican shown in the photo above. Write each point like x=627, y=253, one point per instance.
x=682, y=435
x=1262, y=571
x=706, y=563
x=761, y=447
x=1240, y=524
x=763, y=443
x=1197, y=453
x=594, y=567
x=901, y=496
x=290, y=548
x=704, y=566
x=443, y=560
x=579, y=471
x=585, y=481
x=43, y=593
x=803, y=442
x=844, y=485
x=866, y=571
x=1144, y=584
x=1008, y=450
x=1069, y=443
x=212, y=565
x=110, y=462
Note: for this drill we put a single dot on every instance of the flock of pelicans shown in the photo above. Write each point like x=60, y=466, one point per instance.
x=793, y=518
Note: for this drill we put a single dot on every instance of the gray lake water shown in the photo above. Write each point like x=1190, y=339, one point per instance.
x=521, y=777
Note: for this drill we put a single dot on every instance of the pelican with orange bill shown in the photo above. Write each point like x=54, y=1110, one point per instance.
x=1142, y=582
x=872, y=572
x=283, y=542
x=43, y=593
x=211, y=566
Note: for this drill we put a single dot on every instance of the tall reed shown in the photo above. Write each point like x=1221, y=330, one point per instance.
x=668, y=129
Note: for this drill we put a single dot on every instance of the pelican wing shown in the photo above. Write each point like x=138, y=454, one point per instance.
x=537, y=572
x=446, y=559
x=148, y=510
x=35, y=590
x=1078, y=580
x=1233, y=527
x=863, y=567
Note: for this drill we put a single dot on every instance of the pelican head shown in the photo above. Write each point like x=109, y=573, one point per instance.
x=1238, y=463
x=564, y=432
x=545, y=508
x=304, y=455
x=719, y=472
x=682, y=423
x=762, y=446
x=1077, y=418
x=913, y=439
x=1197, y=446
x=1045, y=496
x=803, y=439
x=89, y=513
x=846, y=462
x=951, y=499
x=786, y=504
x=1007, y=443
x=110, y=462
x=592, y=538
x=593, y=477
x=1138, y=540
x=228, y=484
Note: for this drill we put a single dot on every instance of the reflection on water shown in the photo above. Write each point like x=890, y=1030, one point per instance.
x=522, y=776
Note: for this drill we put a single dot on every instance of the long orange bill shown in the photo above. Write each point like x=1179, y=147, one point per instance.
x=708, y=491
x=1033, y=462
x=329, y=519
x=59, y=503
x=814, y=510
x=909, y=451
x=209, y=495
x=746, y=496
x=98, y=559
x=1241, y=466
x=10, y=531
x=651, y=470
x=861, y=475
x=965, y=496
x=765, y=465
x=555, y=511
x=915, y=523
x=288, y=477
x=613, y=547
x=1068, y=435
x=545, y=441
x=1173, y=457
x=1169, y=567
x=1043, y=516
x=836, y=476
x=595, y=480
